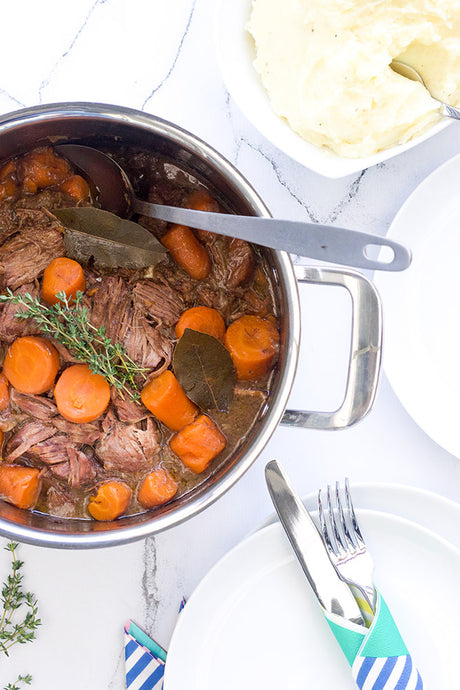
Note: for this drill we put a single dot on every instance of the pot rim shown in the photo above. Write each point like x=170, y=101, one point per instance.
x=120, y=533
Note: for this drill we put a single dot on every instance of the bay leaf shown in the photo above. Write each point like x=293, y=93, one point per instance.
x=111, y=240
x=204, y=369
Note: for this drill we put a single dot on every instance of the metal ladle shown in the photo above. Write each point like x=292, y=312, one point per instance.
x=412, y=74
x=323, y=242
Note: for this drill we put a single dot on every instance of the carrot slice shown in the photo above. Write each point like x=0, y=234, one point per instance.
x=201, y=200
x=20, y=485
x=8, y=170
x=166, y=399
x=198, y=443
x=42, y=168
x=202, y=319
x=31, y=364
x=157, y=488
x=111, y=500
x=62, y=275
x=76, y=186
x=4, y=392
x=80, y=395
x=187, y=251
x=253, y=343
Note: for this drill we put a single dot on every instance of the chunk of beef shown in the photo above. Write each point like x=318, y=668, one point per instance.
x=111, y=302
x=26, y=254
x=147, y=345
x=50, y=451
x=28, y=435
x=60, y=501
x=79, y=433
x=65, y=460
x=128, y=410
x=219, y=299
x=11, y=327
x=233, y=262
x=240, y=263
x=35, y=405
x=47, y=198
x=9, y=418
x=127, y=448
x=159, y=301
x=178, y=280
x=82, y=468
x=8, y=225
x=65, y=355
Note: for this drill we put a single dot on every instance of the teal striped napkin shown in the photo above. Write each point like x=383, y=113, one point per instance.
x=144, y=659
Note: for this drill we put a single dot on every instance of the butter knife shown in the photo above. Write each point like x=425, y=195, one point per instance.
x=332, y=593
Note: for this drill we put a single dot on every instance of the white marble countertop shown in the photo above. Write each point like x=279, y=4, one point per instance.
x=158, y=56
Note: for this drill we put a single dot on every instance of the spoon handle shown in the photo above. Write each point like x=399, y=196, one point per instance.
x=323, y=242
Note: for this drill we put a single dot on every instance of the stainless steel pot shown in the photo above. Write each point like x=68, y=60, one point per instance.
x=98, y=124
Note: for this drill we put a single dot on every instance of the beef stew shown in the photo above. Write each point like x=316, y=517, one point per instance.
x=130, y=444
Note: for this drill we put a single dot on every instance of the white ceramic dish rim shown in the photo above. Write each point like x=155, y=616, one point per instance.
x=235, y=53
x=433, y=407
x=427, y=508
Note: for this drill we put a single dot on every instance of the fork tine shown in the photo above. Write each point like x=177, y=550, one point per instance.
x=351, y=511
x=326, y=530
x=346, y=520
x=335, y=522
x=348, y=540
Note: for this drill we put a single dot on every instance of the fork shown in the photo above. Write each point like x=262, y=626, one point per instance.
x=346, y=546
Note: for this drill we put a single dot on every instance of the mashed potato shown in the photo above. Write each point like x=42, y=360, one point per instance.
x=325, y=66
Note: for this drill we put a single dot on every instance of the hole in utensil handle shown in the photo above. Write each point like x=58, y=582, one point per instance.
x=379, y=252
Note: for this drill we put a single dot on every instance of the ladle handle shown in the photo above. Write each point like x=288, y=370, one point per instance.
x=365, y=350
x=323, y=242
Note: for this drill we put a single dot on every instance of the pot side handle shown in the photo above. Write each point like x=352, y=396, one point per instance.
x=365, y=350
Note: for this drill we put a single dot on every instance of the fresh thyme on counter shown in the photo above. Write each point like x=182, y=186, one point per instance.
x=20, y=679
x=14, y=598
x=69, y=324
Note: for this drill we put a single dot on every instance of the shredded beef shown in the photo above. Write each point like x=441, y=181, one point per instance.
x=60, y=501
x=79, y=433
x=127, y=447
x=35, y=405
x=240, y=263
x=26, y=254
x=128, y=410
x=11, y=327
x=147, y=345
x=159, y=301
x=111, y=302
x=26, y=436
x=65, y=460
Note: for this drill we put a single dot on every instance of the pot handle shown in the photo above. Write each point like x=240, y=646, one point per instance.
x=365, y=350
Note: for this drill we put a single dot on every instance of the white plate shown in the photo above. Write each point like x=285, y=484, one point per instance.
x=254, y=622
x=235, y=55
x=421, y=308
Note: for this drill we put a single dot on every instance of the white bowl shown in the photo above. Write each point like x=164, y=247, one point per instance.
x=235, y=54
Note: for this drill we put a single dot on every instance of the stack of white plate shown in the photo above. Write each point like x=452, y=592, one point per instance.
x=254, y=622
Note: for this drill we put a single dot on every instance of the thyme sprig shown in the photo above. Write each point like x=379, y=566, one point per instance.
x=20, y=679
x=68, y=322
x=14, y=600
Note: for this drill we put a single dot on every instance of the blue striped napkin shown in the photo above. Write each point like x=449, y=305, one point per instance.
x=144, y=659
